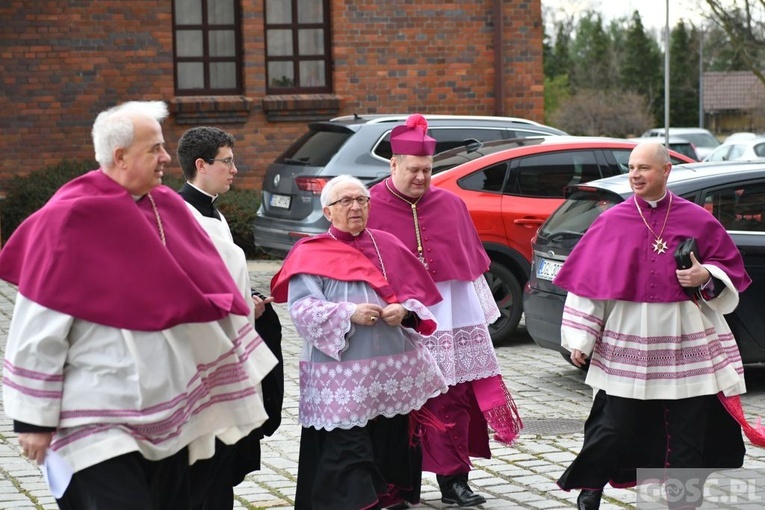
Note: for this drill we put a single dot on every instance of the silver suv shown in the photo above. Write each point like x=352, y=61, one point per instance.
x=360, y=146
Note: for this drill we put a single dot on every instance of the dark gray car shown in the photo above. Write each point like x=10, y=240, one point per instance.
x=360, y=146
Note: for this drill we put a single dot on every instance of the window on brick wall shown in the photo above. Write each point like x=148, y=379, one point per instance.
x=297, y=46
x=207, y=42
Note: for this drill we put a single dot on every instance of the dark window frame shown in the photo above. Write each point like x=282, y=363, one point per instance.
x=294, y=27
x=551, y=184
x=486, y=180
x=206, y=59
x=733, y=206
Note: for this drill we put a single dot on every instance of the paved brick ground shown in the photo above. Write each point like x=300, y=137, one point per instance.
x=551, y=396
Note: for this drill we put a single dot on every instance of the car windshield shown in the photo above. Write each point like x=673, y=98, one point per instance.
x=576, y=214
x=315, y=148
x=450, y=159
x=474, y=149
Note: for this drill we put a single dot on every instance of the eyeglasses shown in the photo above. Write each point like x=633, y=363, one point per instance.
x=347, y=201
x=229, y=162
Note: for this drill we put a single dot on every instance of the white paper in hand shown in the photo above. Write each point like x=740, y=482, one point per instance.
x=57, y=473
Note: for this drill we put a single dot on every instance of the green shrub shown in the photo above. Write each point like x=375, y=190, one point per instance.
x=173, y=181
x=26, y=194
x=239, y=207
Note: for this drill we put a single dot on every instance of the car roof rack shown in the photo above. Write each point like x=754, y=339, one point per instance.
x=378, y=118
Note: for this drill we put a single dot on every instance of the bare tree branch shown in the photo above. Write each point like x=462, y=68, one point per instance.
x=744, y=24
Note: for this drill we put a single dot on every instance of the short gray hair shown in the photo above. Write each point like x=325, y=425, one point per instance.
x=114, y=128
x=326, y=193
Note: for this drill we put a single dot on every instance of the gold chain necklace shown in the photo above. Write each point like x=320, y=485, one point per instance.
x=377, y=250
x=659, y=246
x=413, y=205
x=159, y=220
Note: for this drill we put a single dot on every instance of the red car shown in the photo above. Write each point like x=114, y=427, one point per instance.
x=511, y=187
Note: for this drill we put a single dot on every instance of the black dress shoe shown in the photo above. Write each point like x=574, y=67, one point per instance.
x=399, y=506
x=589, y=499
x=456, y=491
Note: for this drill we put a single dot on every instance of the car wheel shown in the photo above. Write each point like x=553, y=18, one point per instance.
x=507, y=294
x=567, y=357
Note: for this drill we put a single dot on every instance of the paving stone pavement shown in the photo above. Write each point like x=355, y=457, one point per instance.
x=550, y=394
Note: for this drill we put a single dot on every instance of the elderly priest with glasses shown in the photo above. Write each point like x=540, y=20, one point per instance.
x=358, y=299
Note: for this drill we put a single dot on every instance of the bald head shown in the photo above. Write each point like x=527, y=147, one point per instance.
x=649, y=170
x=655, y=151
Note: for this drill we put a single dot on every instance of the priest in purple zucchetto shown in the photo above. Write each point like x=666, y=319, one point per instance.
x=436, y=226
x=665, y=368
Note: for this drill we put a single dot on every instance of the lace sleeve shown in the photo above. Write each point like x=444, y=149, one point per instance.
x=489, y=306
x=322, y=323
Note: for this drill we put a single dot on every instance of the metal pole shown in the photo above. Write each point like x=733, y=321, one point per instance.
x=666, y=78
x=701, y=78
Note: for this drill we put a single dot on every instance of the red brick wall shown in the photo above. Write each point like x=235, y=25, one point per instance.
x=65, y=61
x=523, y=75
x=62, y=62
x=437, y=56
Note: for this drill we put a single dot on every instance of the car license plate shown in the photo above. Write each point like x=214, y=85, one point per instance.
x=281, y=201
x=548, y=269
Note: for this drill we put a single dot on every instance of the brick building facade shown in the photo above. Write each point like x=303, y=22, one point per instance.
x=63, y=61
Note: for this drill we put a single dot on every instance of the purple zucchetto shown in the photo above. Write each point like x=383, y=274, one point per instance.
x=412, y=138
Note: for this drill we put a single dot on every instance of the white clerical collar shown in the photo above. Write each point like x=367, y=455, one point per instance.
x=213, y=198
x=654, y=203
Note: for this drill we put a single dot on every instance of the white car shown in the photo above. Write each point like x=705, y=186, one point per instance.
x=740, y=136
x=742, y=150
x=702, y=139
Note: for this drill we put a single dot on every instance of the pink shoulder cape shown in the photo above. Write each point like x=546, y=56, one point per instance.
x=94, y=253
x=333, y=258
x=615, y=260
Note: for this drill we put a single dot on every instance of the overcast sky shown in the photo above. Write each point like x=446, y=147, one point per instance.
x=652, y=12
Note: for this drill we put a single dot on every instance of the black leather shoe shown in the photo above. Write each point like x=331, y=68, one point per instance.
x=589, y=499
x=456, y=491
